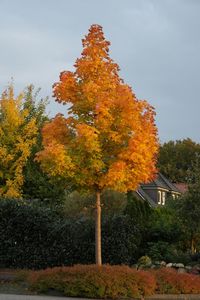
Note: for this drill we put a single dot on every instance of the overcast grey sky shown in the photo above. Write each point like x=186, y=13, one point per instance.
x=155, y=42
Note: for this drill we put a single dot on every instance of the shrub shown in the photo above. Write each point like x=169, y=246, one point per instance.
x=144, y=261
x=34, y=237
x=171, y=282
x=195, y=257
x=120, y=240
x=169, y=253
x=165, y=234
x=25, y=234
x=161, y=251
x=94, y=282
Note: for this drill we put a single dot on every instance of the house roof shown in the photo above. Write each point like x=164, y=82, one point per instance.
x=162, y=182
x=144, y=196
x=182, y=187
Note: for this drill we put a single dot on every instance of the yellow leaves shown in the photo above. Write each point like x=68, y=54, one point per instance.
x=116, y=176
x=5, y=157
x=11, y=191
x=55, y=160
x=104, y=117
x=87, y=137
x=17, y=136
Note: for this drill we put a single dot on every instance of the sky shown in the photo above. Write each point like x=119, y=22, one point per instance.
x=156, y=43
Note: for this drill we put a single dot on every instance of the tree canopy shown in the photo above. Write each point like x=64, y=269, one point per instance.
x=176, y=158
x=109, y=139
x=17, y=136
x=21, y=121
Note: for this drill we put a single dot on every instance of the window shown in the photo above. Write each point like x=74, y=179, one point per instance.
x=159, y=197
x=163, y=198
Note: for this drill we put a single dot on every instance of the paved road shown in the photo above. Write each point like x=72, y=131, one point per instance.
x=27, y=297
x=155, y=297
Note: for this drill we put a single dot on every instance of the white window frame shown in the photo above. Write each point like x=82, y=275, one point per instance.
x=159, y=197
x=163, y=198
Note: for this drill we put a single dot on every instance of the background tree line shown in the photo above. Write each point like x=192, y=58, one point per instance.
x=176, y=159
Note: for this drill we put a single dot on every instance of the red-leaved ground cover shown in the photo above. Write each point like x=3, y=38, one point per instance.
x=91, y=281
x=170, y=281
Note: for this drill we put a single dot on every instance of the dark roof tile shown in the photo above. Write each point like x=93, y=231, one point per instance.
x=162, y=182
x=146, y=197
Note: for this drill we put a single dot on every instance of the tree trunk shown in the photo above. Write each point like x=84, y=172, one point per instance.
x=98, y=230
x=193, y=248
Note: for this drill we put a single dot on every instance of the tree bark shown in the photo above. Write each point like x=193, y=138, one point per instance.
x=193, y=248
x=98, y=230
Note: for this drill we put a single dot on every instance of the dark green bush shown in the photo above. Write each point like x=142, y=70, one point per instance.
x=159, y=251
x=196, y=257
x=35, y=237
x=120, y=239
x=25, y=234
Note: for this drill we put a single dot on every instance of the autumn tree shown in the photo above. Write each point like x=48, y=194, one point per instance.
x=17, y=136
x=109, y=139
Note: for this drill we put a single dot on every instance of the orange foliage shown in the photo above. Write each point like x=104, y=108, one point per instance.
x=109, y=139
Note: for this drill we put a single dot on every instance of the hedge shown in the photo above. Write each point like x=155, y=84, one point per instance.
x=36, y=238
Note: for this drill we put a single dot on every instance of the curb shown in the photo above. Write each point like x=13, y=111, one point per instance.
x=174, y=297
x=47, y=297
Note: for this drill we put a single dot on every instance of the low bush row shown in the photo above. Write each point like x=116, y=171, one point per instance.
x=91, y=281
x=171, y=282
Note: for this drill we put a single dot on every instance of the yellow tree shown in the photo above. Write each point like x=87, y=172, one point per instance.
x=17, y=136
x=109, y=139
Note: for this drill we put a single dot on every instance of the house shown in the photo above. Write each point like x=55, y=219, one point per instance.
x=157, y=191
